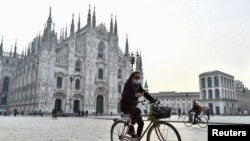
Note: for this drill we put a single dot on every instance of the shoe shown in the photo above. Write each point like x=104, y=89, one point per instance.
x=131, y=132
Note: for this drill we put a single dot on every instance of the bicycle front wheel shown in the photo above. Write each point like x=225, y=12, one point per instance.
x=163, y=132
x=187, y=121
x=118, y=130
x=203, y=122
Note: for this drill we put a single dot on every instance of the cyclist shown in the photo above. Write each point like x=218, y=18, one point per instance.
x=131, y=92
x=197, y=109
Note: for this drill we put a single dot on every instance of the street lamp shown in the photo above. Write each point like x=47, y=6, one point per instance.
x=132, y=60
x=187, y=101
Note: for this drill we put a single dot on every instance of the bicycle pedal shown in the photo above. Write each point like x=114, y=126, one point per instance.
x=129, y=138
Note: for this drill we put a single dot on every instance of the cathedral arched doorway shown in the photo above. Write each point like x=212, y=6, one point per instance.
x=58, y=104
x=99, y=104
x=76, y=107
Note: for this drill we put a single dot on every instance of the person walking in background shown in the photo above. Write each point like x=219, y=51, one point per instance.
x=22, y=112
x=86, y=113
x=82, y=113
x=54, y=113
x=208, y=113
x=179, y=113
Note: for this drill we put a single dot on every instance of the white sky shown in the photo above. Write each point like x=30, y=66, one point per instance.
x=179, y=39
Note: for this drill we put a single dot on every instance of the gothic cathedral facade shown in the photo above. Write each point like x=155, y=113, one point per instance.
x=85, y=70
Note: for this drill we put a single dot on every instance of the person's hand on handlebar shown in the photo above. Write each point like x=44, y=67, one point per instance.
x=155, y=101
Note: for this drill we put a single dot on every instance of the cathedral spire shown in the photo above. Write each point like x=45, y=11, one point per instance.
x=115, y=30
x=126, y=47
x=65, y=32
x=11, y=51
x=72, y=28
x=111, y=25
x=49, y=21
x=89, y=18
x=79, y=23
x=140, y=67
x=94, y=19
x=15, y=50
x=137, y=62
x=1, y=47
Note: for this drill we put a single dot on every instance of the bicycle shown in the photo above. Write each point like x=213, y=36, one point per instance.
x=157, y=130
x=201, y=120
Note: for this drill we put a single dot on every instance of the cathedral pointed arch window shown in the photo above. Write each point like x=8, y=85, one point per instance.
x=101, y=47
x=6, y=82
x=59, y=82
x=100, y=74
x=120, y=73
x=78, y=65
x=77, y=84
x=216, y=81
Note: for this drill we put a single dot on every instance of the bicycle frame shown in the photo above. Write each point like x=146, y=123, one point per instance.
x=153, y=122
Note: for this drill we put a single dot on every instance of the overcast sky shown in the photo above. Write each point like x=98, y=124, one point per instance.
x=178, y=39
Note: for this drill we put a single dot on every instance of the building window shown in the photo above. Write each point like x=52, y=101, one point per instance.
x=78, y=66
x=216, y=81
x=204, y=94
x=77, y=84
x=120, y=73
x=101, y=50
x=100, y=74
x=217, y=94
x=59, y=82
x=210, y=94
x=119, y=88
x=6, y=81
x=222, y=84
x=209, y=82
x=203, y=83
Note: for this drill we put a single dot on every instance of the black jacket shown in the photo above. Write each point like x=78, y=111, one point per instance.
x=128, y=95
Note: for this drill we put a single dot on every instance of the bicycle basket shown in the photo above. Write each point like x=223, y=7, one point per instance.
x=161, y=112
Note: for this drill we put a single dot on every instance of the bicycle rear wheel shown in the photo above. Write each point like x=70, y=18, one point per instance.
x=118, y=130
x=203, y=122
x=187, y=122
x=163, y=132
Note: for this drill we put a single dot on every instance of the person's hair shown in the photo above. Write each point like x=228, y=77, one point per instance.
x=133, y=74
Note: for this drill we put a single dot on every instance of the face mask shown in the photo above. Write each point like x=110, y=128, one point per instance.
x=136, y=81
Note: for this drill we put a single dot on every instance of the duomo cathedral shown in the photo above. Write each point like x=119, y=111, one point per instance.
x=83, y=70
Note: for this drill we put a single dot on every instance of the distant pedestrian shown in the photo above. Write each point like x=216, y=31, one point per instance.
x=35, y=113
x=15, y=112
x=212, y=112
x=54, y=113
x=86, y=113
x=208, y=113
x=22, y=112
x=111, y=113
x=82, y=113
x=179, y=113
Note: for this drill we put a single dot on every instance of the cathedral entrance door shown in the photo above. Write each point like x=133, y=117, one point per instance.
x=99, y=104
x=76, y=106
x=58, y=104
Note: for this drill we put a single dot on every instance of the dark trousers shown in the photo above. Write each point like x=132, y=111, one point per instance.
x=136, y=118
x=196, y=116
